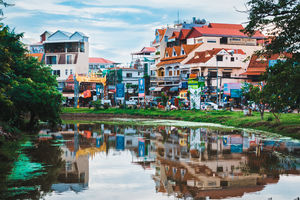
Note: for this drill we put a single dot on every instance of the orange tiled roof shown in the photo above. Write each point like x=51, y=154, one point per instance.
x=176, y=59
x=38, y=56
x=259, y=64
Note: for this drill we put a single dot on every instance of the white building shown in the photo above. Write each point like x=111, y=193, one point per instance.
x=67, y=54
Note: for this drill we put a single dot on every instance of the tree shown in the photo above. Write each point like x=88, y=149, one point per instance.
x=282, y=87
x=26, y=85
x=281, y=20
x=5, y=4
x=257, y=95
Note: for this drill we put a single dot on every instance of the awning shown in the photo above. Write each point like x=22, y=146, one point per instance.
x=68, y=95
x=173, y=89
x=158, y=89
x=152, y=88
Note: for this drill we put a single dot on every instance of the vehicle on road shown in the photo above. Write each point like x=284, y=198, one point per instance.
x=209, y=106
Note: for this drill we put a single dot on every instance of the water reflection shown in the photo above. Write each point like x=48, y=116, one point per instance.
x=184, y=163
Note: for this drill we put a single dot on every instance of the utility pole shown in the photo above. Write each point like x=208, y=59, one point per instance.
x=217, y=81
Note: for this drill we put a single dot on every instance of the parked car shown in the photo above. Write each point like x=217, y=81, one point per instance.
x=209, y=105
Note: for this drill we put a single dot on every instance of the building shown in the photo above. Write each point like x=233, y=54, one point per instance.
x=221, y=49
x=66, y=53
x=97, y=65
x=259, y=64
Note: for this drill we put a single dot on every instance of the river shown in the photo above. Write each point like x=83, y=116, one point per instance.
x=170, y=160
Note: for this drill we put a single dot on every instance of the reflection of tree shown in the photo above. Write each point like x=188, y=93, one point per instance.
x=50, y=157
x=266, y=163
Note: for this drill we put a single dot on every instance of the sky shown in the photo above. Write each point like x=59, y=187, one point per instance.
x=115, y=28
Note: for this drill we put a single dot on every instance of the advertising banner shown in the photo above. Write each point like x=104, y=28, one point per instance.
x=235, y=93
x=120, y=142
x=98, y=141
x=141, y=87
x=120, y=90
x=141, y=147
x=98, y=89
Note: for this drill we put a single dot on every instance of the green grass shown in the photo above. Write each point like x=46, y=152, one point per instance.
x=289, y=123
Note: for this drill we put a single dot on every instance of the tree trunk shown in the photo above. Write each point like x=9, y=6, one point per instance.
x=276, y=117
x=32, y=120
x=262, y=111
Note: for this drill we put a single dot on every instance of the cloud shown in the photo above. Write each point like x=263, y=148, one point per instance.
x=116, y=28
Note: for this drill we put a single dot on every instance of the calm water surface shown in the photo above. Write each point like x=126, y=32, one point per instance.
x=97, y=161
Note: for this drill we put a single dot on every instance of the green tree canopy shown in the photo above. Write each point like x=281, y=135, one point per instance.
x=26, y=85
x=281, y=20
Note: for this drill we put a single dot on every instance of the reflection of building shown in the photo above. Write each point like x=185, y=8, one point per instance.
x=214, y=169
x=196, y=163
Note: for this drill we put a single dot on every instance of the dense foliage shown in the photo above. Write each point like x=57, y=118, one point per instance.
x=26, y=86
x=280, y=20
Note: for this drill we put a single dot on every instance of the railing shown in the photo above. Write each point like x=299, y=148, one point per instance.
x=166, y=78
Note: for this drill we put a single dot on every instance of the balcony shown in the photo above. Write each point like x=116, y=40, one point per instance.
x=168, y=78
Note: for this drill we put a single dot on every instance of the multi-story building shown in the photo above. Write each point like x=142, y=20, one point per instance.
x=97, y=65
x=67, y=54
x=220, y=47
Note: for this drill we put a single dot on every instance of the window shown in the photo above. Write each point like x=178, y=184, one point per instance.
x=232, y=59
x=211, y=41
x=219, y=58
x=66, y=72
x=236, y=58
x=170, y=73
x=56, y=73
x=167, y=55
x=129, y=75
x=91, y=66
x=102, y=66
x=69, y=59
x=174, y=53
x=212, y=74
x=226, y=74
x=182, y=52
x=71, y=72
x=50, y=60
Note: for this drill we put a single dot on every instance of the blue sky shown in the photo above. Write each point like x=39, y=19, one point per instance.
x=115, y=27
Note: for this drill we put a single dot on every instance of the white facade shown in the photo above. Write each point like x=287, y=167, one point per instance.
x=67, y=54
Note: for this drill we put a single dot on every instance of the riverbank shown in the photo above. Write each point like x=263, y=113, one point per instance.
x=289, y=123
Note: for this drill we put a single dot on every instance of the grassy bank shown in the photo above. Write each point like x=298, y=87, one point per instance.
x=288, y=126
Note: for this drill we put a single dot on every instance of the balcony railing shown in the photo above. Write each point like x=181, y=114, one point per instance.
x=166, y=78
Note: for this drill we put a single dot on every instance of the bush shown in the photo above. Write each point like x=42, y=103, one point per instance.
x=97, y=104
x=270, y=119
x=106, y=106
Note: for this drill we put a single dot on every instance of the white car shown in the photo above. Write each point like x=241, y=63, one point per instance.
x=208, y=105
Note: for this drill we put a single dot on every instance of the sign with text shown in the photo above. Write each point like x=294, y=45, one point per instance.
x=120, y=90
x=141, y=87
x=98, y=89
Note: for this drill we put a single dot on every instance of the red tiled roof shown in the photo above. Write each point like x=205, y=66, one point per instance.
x=204, y=56
x=226, y=26
x=148, y=49
x=184, y=33
x=259, y=64
x=70, y=79
x=99, y=60
x=203, y=31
